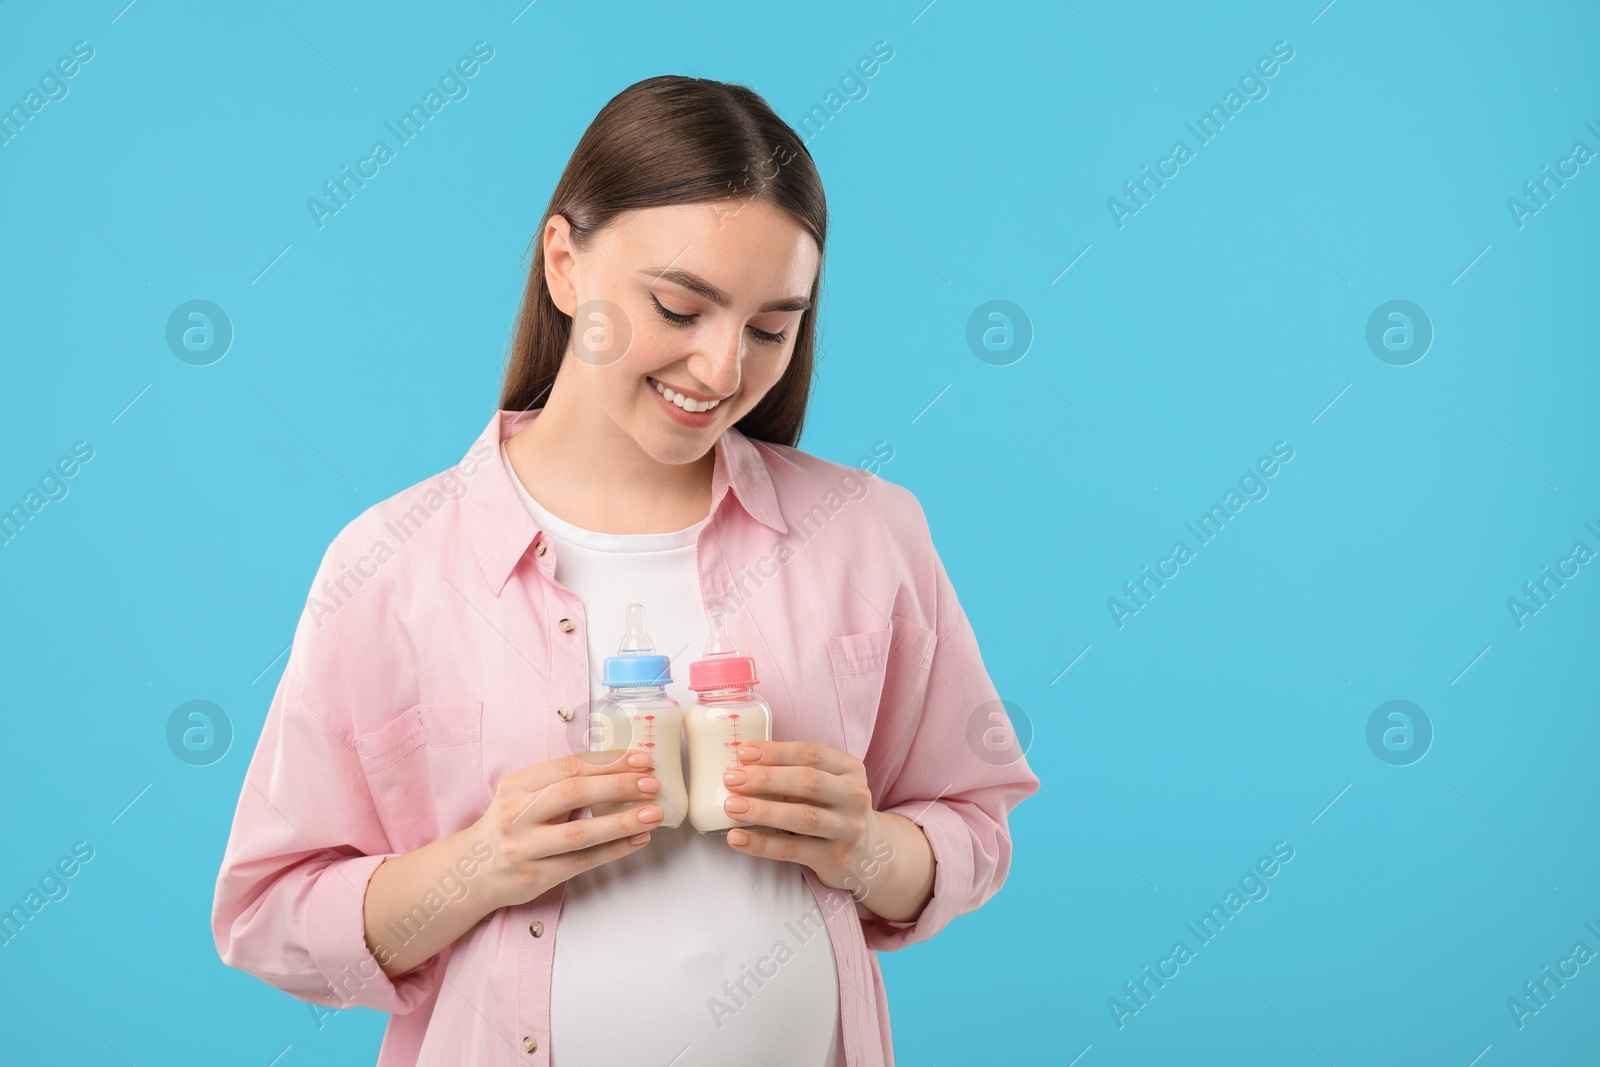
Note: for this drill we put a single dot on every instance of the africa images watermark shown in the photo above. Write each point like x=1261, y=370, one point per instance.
x=853, y=86
x=1253, y=84
x=739, y=991
x=52, y=886
x=455, y=885
x=1252, y=486
x=52, y=487
x=452, y=86
x=1540, y=191
x=743, y=192
x=847, y=489
x=1252, y=887
x=53, y=88
x=1537, y=994
x=338, y=589
x=1538, y=592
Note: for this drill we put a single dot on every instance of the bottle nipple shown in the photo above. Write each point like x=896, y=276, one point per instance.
x=719, y=643
x=635, y=642
x=636, y=663
x=721, y=667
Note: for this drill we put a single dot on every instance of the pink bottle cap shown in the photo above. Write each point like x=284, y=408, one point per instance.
x=726, y=673
x=722, y=667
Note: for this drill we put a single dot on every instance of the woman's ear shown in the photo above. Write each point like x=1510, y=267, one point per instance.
x=560, y=257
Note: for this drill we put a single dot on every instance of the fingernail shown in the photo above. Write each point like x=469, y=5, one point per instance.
x=649, y=785
x=736, y=804
x=738, y=837
x=734, y=776
x=747, y=753
x=639, y=838
x=639, y=759
x=650, y=814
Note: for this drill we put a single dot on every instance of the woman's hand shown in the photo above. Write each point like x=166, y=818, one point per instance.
x=529, y=851
x=823, y=800
x=537, y=847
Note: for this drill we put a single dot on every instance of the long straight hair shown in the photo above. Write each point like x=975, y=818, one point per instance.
x=674, y=140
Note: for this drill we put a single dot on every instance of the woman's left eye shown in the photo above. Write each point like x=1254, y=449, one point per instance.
x=670, y=316
x=679, y=319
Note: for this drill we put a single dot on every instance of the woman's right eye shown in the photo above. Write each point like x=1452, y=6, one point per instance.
x=670, y=316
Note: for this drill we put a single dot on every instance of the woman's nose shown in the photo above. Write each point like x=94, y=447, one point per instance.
x=719, y=367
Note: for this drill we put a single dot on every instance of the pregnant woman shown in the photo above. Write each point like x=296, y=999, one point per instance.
x=414, y=832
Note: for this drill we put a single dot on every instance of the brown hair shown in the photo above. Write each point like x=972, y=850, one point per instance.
x=674, y=140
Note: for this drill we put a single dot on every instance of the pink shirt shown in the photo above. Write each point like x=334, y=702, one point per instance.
x=438, y=654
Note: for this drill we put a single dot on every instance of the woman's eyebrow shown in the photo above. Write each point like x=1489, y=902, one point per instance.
x=696, y=284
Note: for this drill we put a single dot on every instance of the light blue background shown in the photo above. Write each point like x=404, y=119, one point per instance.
x=1225, y=316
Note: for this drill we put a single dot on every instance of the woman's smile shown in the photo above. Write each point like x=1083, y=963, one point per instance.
x=683, y=407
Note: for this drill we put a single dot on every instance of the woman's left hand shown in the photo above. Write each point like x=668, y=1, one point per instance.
x=824, y=802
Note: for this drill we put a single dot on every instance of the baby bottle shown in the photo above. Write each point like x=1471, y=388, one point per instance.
x=726, y=713
x=637, y=711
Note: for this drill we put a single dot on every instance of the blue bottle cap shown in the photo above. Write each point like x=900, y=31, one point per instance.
x=635, y=670
x=636, y=662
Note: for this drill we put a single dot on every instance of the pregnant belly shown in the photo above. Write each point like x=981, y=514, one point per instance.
x=689, y=952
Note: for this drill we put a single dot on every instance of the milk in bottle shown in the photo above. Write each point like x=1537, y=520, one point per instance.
x=638, y=712
x=725, y=714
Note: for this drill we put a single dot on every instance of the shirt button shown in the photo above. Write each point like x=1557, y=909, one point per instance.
x=539, y=548
x=536, y=928
x=565, y=713
x=566, y=626
x=529, y=1044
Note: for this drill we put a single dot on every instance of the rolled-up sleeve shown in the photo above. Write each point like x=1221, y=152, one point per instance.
x=306, y=837
x=948, y=758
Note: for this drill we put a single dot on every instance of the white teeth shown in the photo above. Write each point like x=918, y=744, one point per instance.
x=682, y=401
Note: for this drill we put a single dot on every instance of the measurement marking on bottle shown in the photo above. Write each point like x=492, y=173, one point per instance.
x=649, y=736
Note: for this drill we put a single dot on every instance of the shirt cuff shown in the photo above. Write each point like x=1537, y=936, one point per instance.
x=337, y=943
x=952, y=879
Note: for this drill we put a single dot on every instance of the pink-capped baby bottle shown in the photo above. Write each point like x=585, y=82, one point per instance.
x=726, y=713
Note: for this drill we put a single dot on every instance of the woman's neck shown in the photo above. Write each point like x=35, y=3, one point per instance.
x=584, y=468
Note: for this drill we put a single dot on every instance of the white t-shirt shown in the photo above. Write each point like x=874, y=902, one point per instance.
x=688, y=952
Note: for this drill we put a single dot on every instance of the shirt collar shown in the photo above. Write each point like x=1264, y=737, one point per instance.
x=502, y=529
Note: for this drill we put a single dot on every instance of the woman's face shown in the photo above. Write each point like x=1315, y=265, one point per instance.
x=703, y=300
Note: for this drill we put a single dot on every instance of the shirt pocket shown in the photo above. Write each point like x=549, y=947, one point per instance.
x=859, y=662
x=425, y=771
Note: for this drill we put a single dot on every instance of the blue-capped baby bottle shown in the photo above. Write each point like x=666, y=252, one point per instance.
x=638, y=712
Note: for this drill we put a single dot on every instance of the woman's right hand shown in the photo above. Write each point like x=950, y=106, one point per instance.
x=537, y=846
